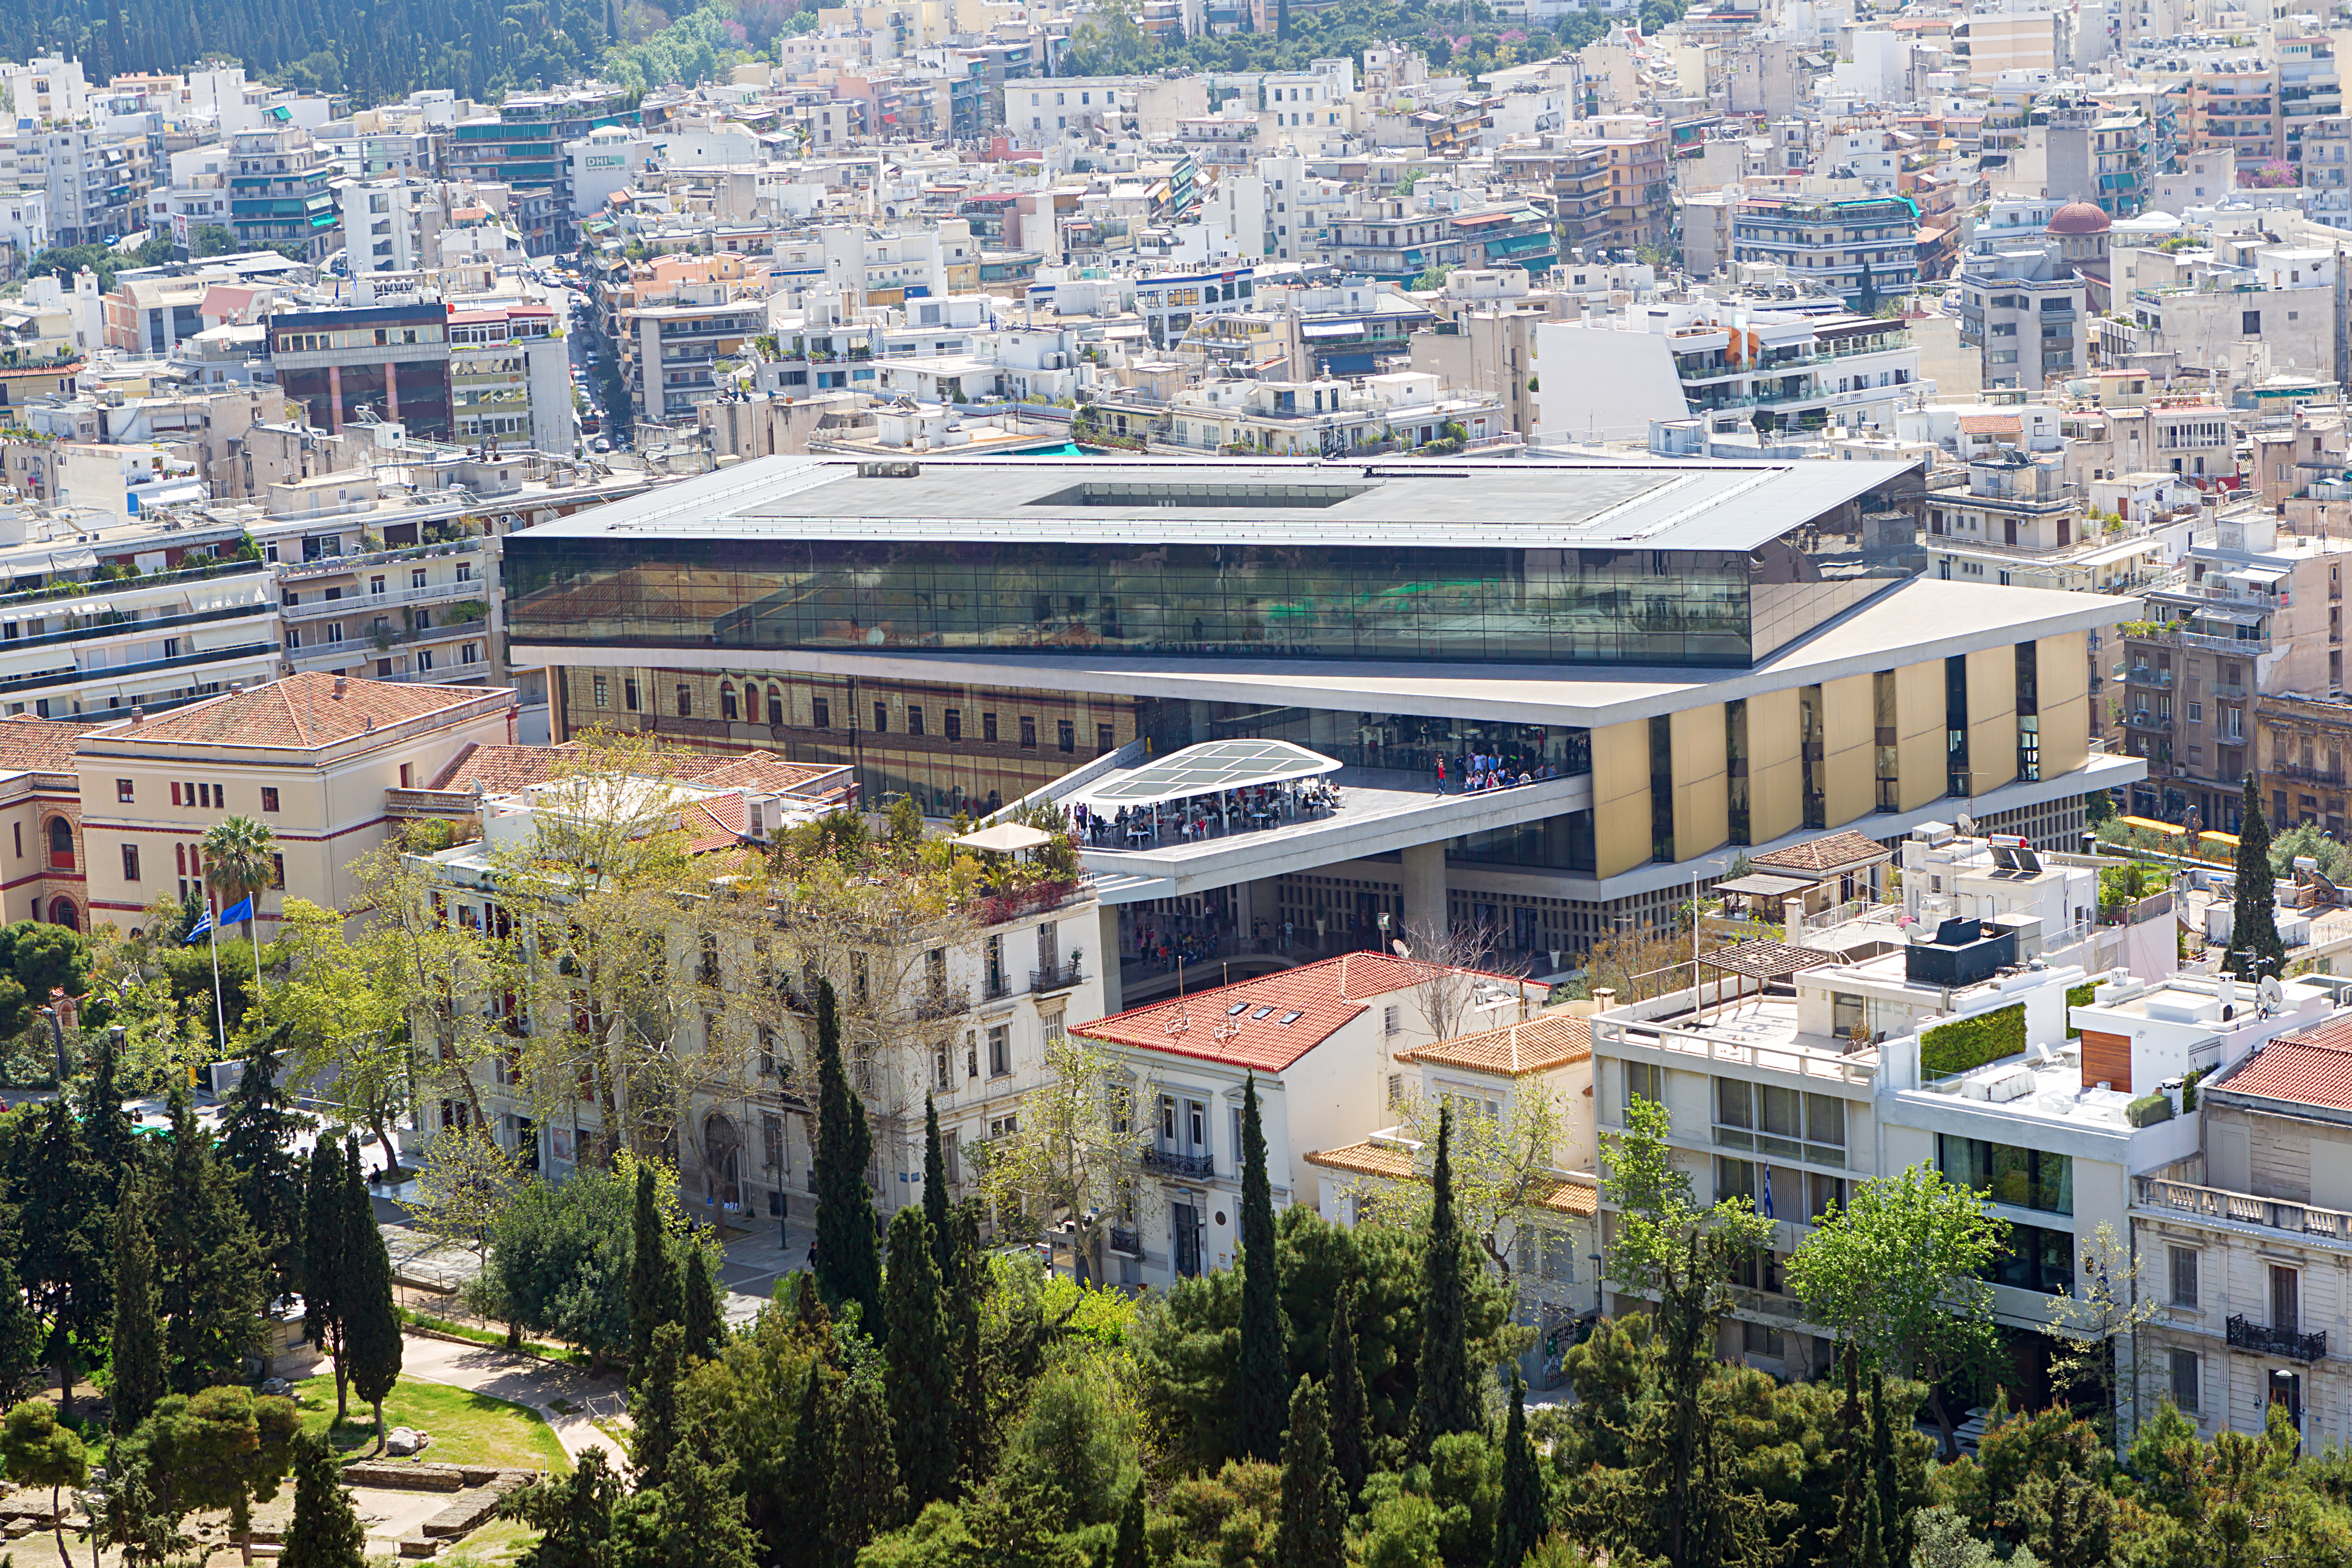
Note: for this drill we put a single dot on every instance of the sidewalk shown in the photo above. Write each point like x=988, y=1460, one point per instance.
x=525, y=1380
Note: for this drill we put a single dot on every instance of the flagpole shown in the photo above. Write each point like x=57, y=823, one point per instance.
x=220, y=1014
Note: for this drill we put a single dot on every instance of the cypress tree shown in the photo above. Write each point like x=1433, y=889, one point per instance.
x=209, y=1268
x=1260, y=1371
x=1885, y=1492
x=105, y=1125
x=693, y=1519
x=20, y=1329
x=864, y=1498
x=963, y=1284
x=257, y=1137
x=1844, y=1541
x=323, y=1261
x=805, y=1479
x=935, y=1189
x=1313, y=1530
x=649, y=1284
x=1519, y=1522
x=370, y=1320
x=63, y=1234
x=1128, y=1550
x=918, y=1371
x=704, y=1328
x=2255, y=952
x=848, y=1265
x=1447, y=1401
x=135, y=1351
x=326, y=1533
x=653, y=1408
x=1351, y=1415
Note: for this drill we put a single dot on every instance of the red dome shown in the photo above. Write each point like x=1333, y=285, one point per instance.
x=2080, y=217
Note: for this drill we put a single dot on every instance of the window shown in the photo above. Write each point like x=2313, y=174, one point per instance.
x=988, y=728
x=1103, y=741
x=954, y=723
x=1389, y=1018
x=175, y=793
x=914, y=718
x=2037, y=1260
x=881, y=718
x=1065, y=735
x=772, y=1142
x=604, y=692
x=1645, y=1080
x=2250, y=323
x=270, y=797
x=820, y=714
x=277, y=869
x=685, y=702
x=629, y=693
x=2184, y=1280
x=2021, y=1178
x=1784, y=1121
x=123, y=790
x=726, y=702
x=2185, y=1370
x=1028, y=734
x=1000, y=1050
x=130, y=862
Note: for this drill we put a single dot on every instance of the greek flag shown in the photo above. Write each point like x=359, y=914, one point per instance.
x=1767, y=1185
x=239, y=913
x=198, y=931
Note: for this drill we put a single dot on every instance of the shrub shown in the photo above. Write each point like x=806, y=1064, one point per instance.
x=2077, y=997
x=1965, y=1043
x=2148, y=1109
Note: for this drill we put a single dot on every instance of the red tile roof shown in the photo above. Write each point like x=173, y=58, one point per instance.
x=1831, y=852
x=1537, y=1045
x=301, y=712
x=1389, y=1163
x=502, y=769
x=1992, y=425
x=40, y=745
x=2314, y=1068
x=1324, y=996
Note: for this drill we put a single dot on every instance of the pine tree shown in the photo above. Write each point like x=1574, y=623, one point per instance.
x=653, y=1408
x=1351, y=1415
x=864, y=1498
x=1448, y=1398
x=2255, y=952
x=848, y=1268
x=572, y=1513
x=650, y=1287
x=208, y=1267
x=324, y=1263
x=917, y=1372
x=935, y=1206
x=371, y=1319
x=1261, y=1369
x=1519, y=1522
x=1313, y=1530
x=135, y=1350
x=326, y=1532
x=705, y=1331
x=1127, y=1550
x=257, y=1144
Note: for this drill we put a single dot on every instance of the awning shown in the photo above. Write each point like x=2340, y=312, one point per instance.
x=1208, y=768
x=1332, y=330
x=1004, y=838
x=1759, y=886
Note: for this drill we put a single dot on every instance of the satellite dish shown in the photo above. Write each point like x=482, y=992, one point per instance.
x=1967, y=825
x=1402, y=950
x=2272, y=992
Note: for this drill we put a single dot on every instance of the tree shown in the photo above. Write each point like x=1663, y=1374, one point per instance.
x=105, y=1125
x=917, y=1372
x=326, y=1532
x=257, y=1144
x=1866, y=297
x=240, y=862
x=1075, y=1159
x=135, y=1513
x=848, y=1267
x=226, y=1448
x=1351, y=1415
x=66, y=1272
x=653, y=1406
x=963, y=1283
x=692, y=1518
x=1314, y=1530
x=372, y=1340
x=1519, y=1522
x=561, y=1259
x=1503, y=1169
x=325, y=1258
x=864, y=1497
x=1900, y=1272
x=2108, y=1304
x=573, y=1514
x=1264, y=1353
x=935, y=1203
x=651, y=1283
x=1447, y=962
x=2255, y=951
x=20, y=1329
x=135, y=1350
x=704, y=1328
x=1448, y=1400
x=207, y=1264
x=1681, y=1255
x=34, y=1451
x=1128, y=1550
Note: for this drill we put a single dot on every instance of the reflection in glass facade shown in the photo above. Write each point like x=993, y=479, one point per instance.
x=1474, y=603
x=1410, y=742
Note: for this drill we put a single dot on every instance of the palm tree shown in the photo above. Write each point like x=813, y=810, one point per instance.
x=240, y=864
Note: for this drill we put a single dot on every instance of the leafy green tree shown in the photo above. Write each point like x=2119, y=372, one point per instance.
x=863, y=1495
x=258, y=1132
x=1519, y=1521
x=2255, y=951
x=1448, y=1400
x=325, y=1260
x=326, y=1532
x=135, y=1360
x=1351, y=1416
x=1681, y=1255
x=703, y=1328
x=1264, y=1356
x=916, y=1372
x=650, y=1285
x=653, y=1406
x=36, y=1451
x=692, y=1518
x=1901, y=1273
x=208, y=1264
x=1314, y=1531
x=574, y=1515
x=744, y=1405
x=1072, y=1460
x=372, y=1340
x=226, y=1448
x=848, y=1268
x=137, y=1515
x=560, y=1261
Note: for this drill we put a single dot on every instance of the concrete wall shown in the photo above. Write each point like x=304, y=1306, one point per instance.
x=1621, y=796
x=2062, y=670
x=1776, y=779
x=1920, y=740
x=1850, y=779
x=1702, y=791
x=1992, y=719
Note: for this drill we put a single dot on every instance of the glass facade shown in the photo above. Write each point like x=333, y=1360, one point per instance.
x=1410, y=742
x=1706, y=608
x=2021, y=1178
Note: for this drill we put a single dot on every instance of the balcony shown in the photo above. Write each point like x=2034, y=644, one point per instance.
x=1060, y=977
x=1169, y=1162
x=2287, y=1342
x=1125, y=1242
x=996, y=988
x=2149, y=719
x=2141, y=675
x=2304, y=773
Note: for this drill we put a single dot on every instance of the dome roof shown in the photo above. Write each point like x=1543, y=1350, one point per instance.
x=2080, y=217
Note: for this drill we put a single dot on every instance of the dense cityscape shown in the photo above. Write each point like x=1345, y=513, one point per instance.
x=1175, y=784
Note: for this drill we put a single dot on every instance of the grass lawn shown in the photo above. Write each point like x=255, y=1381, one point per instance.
x=467, y=1429
x=495, y=1545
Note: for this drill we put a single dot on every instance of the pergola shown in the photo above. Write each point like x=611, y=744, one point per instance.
x=1762, y=960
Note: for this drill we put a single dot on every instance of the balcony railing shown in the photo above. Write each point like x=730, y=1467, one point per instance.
x=1060, y=977
x=2265, y=1341
x=1126, y=1242
x=2146, y=718
x=2141, y=675
x=995, y=989
x=1168, y=1161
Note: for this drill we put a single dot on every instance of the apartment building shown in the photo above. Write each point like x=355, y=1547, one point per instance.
x=280, y=188
x=510, y=377
x=522, y=145
x=94, y=181
x=2023, y=311
x=391, y=359
x=1854, y=246
x=670, y=353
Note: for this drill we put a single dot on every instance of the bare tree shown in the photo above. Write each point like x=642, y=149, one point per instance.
x=1450, y=964
x=1076, y=1164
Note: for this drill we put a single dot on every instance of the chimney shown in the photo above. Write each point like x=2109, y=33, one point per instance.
x=138, y=714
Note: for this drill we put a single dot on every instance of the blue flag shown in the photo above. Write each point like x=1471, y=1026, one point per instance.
x=198, y=931
x=239, y=913
x=1767, y=1185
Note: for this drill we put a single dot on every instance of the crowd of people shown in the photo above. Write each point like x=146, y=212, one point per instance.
x=1203, y=816
x=1478, y=770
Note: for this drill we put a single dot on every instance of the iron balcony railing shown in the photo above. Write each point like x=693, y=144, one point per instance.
x=1060, y=977
x=2265, y=1341
x=1169, y=1162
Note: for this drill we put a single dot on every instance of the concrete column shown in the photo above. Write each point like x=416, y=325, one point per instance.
x=1424, y=886
x=1106, y=955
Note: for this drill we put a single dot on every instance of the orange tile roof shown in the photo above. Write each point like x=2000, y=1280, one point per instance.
x=1992, y=425
x=301, y=712
x=501, y=769
x=1387, y=1162
x=1831, y=852
x=40, y=745
x=1325, y=995
x=1537, y=1045
x=2314, y=1068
